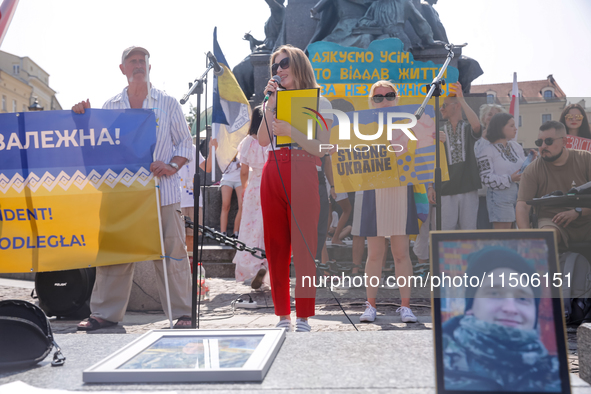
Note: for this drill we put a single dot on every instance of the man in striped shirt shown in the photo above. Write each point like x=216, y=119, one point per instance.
x=112, y=288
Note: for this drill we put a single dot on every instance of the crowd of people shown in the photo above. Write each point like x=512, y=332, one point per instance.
x=488, y=185
x=485, y=164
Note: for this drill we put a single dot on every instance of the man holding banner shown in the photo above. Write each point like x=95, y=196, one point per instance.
x=113, y=284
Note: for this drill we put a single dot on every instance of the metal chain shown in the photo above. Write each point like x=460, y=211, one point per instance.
x=225, y=240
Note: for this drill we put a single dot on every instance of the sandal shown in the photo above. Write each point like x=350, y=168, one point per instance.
x=257, y=282
x=94, y=324
x=182, y=319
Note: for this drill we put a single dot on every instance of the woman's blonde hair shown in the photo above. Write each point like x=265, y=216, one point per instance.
x=382, y=83
x=301, y=69
x=486, y=108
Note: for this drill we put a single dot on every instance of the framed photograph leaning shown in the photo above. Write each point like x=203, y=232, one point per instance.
x=498, y=319
x=191, y=356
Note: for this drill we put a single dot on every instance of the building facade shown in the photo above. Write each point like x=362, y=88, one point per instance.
x=21, y=81
x=539, y=101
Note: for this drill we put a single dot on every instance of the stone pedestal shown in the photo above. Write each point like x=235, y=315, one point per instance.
x=357, y=362
x=584, y=351
x=260, y=63
x=299, y=27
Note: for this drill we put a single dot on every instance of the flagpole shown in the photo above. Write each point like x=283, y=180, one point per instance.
x=514, y=106
x=147, y=58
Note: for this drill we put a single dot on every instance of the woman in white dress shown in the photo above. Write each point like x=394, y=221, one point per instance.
x=252, y=157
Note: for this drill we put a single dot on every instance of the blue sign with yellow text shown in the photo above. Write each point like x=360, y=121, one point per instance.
x=76, y=190
x=350, y=71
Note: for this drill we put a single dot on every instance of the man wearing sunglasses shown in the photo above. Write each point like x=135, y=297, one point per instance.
x=557, y=170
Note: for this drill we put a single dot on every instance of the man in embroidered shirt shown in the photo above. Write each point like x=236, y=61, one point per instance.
x=459, y=195
x=558, y=168
x=173, y=149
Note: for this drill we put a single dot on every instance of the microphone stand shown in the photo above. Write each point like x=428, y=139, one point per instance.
x=196, y=88
x=435, y=91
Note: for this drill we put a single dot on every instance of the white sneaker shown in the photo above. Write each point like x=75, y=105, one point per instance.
x=285, y=323
x=370, y=313
x=406, y=315
x=302, y=326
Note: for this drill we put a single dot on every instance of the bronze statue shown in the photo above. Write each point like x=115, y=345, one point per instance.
x=337, y=19
x=272, y=28
x=244, y=71
x=386, y=18
x=468, y=68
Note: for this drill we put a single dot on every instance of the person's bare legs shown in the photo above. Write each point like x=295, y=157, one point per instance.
x=402, y=264
x=226, y=201
x=239, y=213
x=346, y=207
x=385, y=257
x=502, y=225
x=345, y=232
x=324, y=257
x=358, y=248
x=373, y=267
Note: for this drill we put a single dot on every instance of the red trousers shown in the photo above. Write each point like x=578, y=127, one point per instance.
x=298, y=169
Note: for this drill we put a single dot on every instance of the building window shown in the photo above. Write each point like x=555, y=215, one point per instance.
x=3, y=103
x=13, y=105
x=548, y=94
x=490, y=98
x=519, y=120
x=546, y=118
x=16, y=69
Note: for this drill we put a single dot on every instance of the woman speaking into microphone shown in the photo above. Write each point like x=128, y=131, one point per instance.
x=289, y=191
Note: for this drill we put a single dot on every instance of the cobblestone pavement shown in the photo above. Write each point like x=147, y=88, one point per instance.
x=218, y=312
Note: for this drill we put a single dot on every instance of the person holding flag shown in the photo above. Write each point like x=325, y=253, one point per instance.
x=230, y=115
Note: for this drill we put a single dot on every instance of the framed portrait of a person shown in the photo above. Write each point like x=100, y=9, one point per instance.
x=498, y=319
x=191, y=356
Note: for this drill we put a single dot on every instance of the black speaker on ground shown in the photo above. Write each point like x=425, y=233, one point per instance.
x=65, y=293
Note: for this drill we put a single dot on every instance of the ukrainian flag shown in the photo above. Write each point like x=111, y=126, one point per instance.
x=231, y=110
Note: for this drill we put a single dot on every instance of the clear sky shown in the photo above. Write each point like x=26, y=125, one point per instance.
x=79, y=43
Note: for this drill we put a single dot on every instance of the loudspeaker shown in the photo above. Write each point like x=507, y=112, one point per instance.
x=65, y=293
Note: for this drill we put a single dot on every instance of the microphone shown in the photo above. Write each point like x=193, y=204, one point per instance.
x=277, y=79
x=217, y=69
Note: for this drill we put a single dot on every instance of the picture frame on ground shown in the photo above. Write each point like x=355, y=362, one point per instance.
x=498, y=317
x=175, y=356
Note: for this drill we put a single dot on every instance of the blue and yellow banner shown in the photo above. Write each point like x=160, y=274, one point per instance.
x=76, y=190
x=350, y=71
x=378, y=153
x=231, y=110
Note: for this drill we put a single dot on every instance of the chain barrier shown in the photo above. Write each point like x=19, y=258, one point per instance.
x=222, y=239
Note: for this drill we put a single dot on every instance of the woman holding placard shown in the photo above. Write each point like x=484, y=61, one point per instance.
x=289, y=191
x=390, y=213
